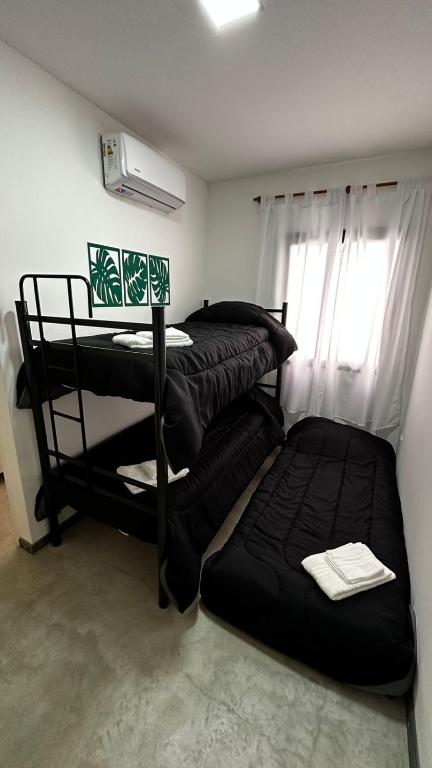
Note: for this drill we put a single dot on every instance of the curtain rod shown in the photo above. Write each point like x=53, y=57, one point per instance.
x=257, y=199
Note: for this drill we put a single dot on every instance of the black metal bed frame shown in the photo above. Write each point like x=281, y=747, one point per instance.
x=94, y=473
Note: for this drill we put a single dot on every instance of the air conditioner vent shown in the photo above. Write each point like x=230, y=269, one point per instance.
x=135, y=171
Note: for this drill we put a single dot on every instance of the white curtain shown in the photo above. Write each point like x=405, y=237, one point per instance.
x=347, y=265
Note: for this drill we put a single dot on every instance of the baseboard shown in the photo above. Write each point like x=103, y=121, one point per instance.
x=34, y=547
x=413, y=753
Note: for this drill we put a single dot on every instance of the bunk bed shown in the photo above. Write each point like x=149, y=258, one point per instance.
x=199, y=393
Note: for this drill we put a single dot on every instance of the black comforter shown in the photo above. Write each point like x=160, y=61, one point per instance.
x=235, y=344
x=331, y=484
x=234, y=446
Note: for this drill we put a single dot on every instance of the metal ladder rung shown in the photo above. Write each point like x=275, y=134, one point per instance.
x=67, y=416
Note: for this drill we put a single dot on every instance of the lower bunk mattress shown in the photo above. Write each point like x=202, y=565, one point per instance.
x=330, y=485
x=235, y=444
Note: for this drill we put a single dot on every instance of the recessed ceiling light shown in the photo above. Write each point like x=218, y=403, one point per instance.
x=222, y=12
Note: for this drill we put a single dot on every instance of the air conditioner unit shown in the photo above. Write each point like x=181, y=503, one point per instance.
x=137, y=172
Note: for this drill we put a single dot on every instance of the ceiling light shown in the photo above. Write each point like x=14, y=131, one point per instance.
x=222, y=12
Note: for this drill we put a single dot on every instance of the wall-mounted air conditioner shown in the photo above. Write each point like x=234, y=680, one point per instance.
x=134, y=171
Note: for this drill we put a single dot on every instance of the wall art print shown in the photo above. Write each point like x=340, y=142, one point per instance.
x=159, y=278
x=127, y=278
x=105, y=279
x=135, y=278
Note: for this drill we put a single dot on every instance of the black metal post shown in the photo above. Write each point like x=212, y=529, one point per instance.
x=46, y=381
x=159, y=351
x=280, y=367
x=81, y=418
x=39, y=421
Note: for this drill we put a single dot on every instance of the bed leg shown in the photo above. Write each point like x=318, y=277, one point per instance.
x=56, y=539
x=164, y=598
x=54, y=525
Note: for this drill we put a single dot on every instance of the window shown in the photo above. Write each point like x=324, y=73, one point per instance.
x=349, y=311
x=347, y=263
x=306, y=274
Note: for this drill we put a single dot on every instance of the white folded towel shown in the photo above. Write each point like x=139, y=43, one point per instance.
x=178, y=342
x=146, y=472
x=354, y=563
x=330, y=580
x=171, y=334
x=133, y=341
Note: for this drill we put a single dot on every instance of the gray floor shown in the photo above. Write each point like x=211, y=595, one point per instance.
x=94, y=675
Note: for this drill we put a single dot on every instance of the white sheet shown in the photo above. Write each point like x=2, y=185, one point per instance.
x=146, y=472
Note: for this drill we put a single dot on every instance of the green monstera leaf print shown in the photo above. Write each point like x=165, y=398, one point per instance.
x=135, y=277
x=159, y=277
x=105, y=279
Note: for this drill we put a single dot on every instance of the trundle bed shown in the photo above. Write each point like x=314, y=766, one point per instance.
x=331, y=484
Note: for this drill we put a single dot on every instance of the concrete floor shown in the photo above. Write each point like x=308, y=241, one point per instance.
x=94, y=675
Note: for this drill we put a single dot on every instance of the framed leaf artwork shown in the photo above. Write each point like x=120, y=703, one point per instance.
x=104, y=268
x=159, y=278
x=135, y=278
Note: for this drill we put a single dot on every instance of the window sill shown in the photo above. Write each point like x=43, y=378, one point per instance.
x=341, y=367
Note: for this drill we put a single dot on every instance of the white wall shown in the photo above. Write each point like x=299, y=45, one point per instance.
x=52, y=202
x=9, y=465
x=415, y=486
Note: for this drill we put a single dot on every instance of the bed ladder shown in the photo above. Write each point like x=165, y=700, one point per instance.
x=37, y=397
x=28, y=343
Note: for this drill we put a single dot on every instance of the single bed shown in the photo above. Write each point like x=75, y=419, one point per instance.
x=331, y=484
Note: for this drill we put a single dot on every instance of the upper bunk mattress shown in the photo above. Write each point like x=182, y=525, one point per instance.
x=226, y=359
x=330, y=485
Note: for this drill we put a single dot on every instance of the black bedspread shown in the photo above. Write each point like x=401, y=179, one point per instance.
x=330, y=485
x=234, y=446
x=235, y=344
